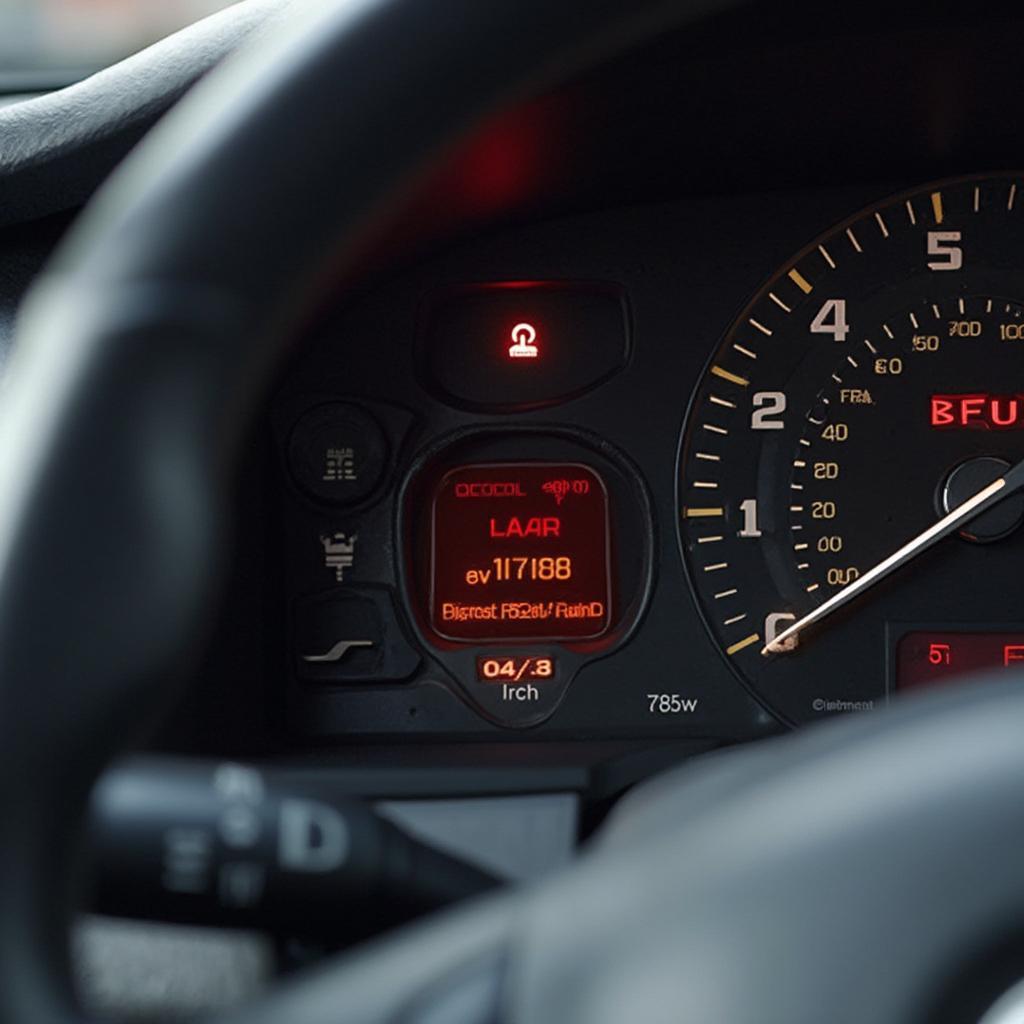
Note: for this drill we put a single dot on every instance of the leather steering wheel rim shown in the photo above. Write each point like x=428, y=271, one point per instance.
x=141, y=356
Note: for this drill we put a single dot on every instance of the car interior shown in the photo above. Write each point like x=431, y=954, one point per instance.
x=508, y=514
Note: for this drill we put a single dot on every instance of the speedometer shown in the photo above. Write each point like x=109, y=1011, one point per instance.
x=849, y=491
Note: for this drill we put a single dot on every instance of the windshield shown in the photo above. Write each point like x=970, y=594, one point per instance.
x=69, y=38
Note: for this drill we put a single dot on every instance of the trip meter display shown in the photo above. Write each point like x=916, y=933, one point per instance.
x=520, y=551
x=852, y=459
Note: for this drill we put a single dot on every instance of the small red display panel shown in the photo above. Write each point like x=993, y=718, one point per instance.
x=929, y=659
x=514, y=668
x=520, y=552
x=979, y=411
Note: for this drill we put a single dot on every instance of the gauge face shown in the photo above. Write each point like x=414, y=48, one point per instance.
x=875, y=384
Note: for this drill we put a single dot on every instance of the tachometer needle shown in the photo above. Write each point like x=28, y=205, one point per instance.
x=1011, y=482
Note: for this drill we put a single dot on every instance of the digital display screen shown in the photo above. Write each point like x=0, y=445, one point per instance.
x=930, y=659
x=520, y=551
x=979, y=411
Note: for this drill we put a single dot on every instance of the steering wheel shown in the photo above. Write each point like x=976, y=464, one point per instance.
x=867, y=871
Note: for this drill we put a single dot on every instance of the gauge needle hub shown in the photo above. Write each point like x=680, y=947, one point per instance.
x=1011, y=482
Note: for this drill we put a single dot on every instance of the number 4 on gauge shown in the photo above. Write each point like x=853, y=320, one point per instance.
x=831, y=319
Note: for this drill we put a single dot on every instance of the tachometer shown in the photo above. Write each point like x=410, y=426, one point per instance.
x=863, y=400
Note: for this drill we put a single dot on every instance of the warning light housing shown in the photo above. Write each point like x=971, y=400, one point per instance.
x=516, y=345
x=520, y=551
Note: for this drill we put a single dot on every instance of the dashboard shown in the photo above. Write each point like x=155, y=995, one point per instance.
x=580, y=480
x=652, y=421
x=678, y=408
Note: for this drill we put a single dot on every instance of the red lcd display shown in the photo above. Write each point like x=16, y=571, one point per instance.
x=929, y=659
x=514, y=668
x=520, y=551
x=978, y=411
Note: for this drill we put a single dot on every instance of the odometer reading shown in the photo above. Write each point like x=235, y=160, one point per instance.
x=520, y=552
x=871, y=389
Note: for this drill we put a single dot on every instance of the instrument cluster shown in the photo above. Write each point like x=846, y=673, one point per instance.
x=552, y=484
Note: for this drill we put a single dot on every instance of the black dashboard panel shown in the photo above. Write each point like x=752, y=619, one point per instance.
x=686, y=268
x=671, y=182
x=681, y=176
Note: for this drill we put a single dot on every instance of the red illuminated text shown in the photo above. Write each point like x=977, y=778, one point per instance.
x=514, y=668
x=984, y=411
x=534, y=526
x=490, y=489
x=930, y=659
x=523, y=611
x=1013, y=653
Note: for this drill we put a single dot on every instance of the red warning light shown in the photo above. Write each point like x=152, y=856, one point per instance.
x=524, y=342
